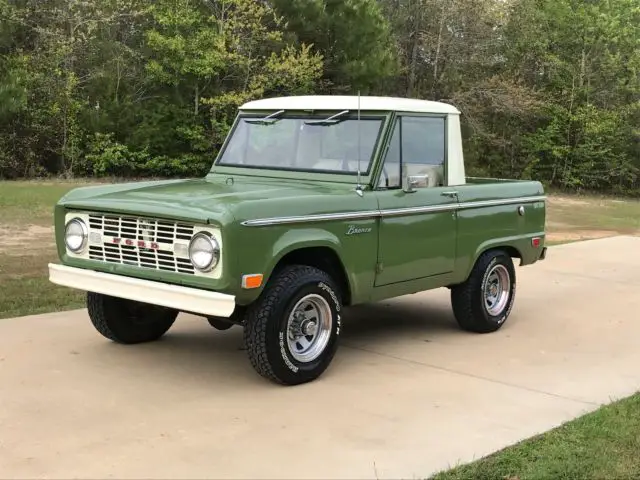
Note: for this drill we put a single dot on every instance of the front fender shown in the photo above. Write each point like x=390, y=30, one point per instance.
x=263, y=248
x=357, y=254
x=301, y=238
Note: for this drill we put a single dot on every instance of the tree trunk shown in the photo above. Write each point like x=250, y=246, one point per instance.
x=196, y=101
x=583, y=66
x=438, y=45
x=412, y=66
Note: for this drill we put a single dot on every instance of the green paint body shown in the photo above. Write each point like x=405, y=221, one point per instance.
x=383, y=257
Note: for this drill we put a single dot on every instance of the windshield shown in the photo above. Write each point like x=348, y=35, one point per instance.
x=324, y=143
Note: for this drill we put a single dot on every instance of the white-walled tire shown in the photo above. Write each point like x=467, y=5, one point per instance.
x=291, y=332
x=127, y=321
x=482, y=303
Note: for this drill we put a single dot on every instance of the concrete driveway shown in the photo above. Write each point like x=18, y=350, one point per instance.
x=408, y=393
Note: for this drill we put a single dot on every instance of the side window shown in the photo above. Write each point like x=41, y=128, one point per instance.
x=391, y=171
x=421, y=151
x=423, y=148
x=423, y=140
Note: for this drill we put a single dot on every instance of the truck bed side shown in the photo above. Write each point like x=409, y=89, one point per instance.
x=489, y=217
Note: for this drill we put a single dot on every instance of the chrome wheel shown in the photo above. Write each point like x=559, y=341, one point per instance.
x=497, y=288
x=309, y=328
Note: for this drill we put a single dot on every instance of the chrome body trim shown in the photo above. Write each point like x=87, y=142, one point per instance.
x=396, y=212
x=322, y=217
x=499, y=202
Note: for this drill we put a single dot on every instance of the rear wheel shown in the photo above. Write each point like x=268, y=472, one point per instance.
x=220, y=323
x=225, y=323
x=128, y=321
x=291, y=332
x=483, y=303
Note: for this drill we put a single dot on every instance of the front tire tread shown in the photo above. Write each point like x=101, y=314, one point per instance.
x=259, y=321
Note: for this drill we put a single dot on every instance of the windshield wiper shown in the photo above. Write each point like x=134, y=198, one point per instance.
x=328, y=121
x=268, y=120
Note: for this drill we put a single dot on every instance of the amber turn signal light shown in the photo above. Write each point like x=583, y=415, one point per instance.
x=252, y=281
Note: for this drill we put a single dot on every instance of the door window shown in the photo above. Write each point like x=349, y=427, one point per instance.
x=417, y=147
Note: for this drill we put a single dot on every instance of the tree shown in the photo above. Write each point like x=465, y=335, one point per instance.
x=584, y=58
x=353, y=37
x=222, y=54
x=549, y=89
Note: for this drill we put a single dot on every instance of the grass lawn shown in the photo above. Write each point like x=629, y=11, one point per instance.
x=572, y=218
x=27, y=246
x=601, y=445
x=27, y=242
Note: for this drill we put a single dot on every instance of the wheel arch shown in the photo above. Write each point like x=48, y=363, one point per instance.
x=506, y=246
x=510, y=249
x=321, y=256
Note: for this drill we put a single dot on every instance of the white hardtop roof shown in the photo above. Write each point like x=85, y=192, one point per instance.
x=350, y=102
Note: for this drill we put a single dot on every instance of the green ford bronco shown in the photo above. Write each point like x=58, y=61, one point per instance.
x=314, y=203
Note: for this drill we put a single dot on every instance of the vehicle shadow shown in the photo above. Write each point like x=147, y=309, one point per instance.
x=194, y=352
x=399, y=319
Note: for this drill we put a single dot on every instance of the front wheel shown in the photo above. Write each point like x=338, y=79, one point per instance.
x=291, y=332
x=128, y=321
x=483, y=303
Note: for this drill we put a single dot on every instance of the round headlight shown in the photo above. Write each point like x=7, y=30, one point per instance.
x=204, y=252
x=75, y=235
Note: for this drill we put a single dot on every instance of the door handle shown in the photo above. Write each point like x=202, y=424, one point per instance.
x=450, y=194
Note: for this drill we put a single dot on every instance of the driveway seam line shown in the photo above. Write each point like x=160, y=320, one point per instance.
x=477, y=377
x=591, y=277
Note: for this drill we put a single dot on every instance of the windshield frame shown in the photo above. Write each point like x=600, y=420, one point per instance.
x=369, y=165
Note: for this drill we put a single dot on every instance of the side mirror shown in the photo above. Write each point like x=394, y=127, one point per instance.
x=412, y=182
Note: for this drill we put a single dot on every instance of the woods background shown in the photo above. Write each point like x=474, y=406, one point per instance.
x=549, y=89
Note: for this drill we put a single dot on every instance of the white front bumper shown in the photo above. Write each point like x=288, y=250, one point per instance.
x=177, y=297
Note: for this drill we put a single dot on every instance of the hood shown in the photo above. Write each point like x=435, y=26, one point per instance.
x=199, y=200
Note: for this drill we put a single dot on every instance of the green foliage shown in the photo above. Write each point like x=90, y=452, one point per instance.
x=353, y=35
x=108, y=158
x=583, y=58
x=131, y=88
x=586, y=149
x=549, y=89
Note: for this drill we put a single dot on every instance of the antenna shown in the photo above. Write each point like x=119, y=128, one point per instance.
x=358, y=186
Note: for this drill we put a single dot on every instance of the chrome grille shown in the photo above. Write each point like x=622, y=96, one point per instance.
x=141, y=242
x=137, y=228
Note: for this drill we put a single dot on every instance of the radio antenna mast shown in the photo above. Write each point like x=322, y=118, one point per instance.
x=358, y=186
